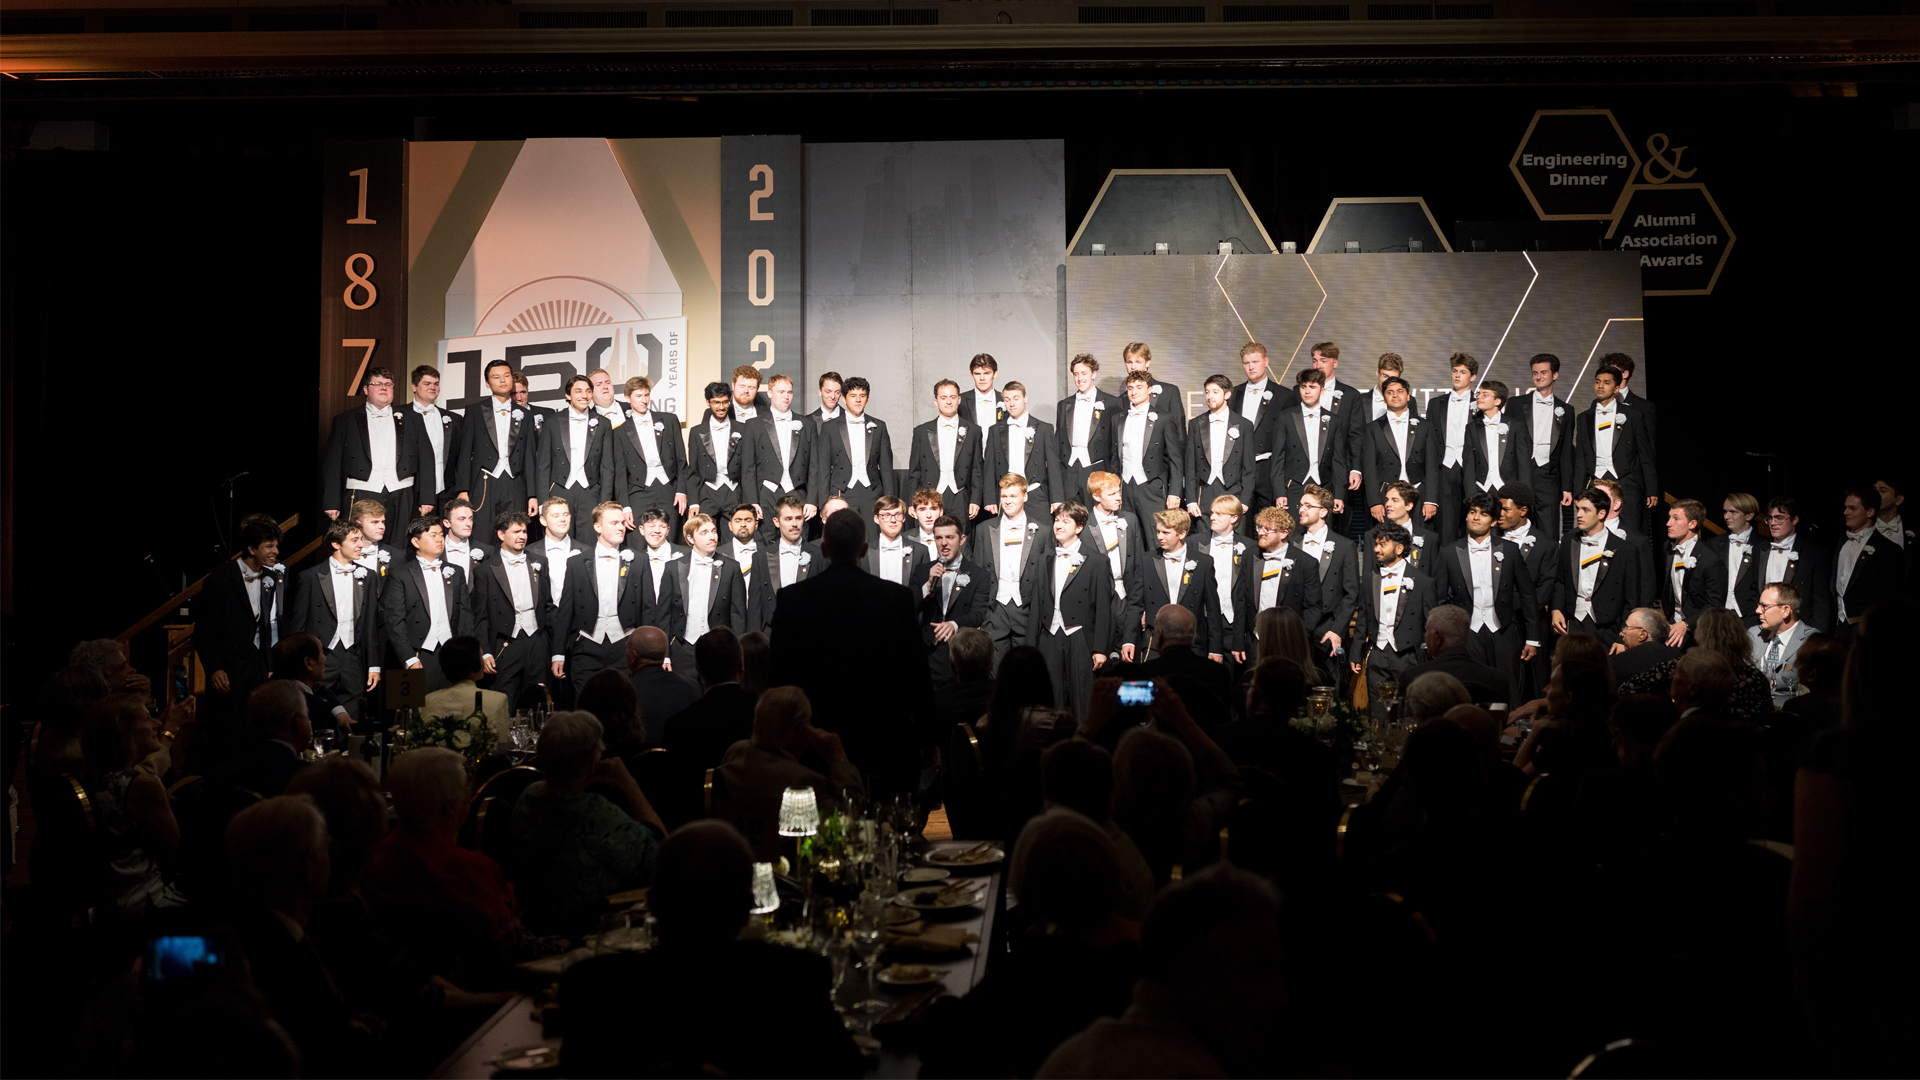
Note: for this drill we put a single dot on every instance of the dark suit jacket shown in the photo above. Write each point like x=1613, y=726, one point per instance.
x=662, y=694
x=1812, y=575
x=1703, y=585
x=700, y=482
x=1616, y=585
x=1640, y=658
x=451, y=432
x=1439, y=409
x=312, y=610
x=764, y=588
x=726, y=595
x=700, y=733
x=630, y=461
x=478, y=452
x=1274, y=400
x=1877, y=574
x=1425, y=534
x=265, y=765
x=1196, y=592
x=1557, y=473
x=657, y=606
x=1513, y=591
x=553, y=456
x=580, y=599
x=1042, y=465
x=493, y=613
x=969, y=604
x=1339, y=585
x=916, y=559
x=348, y=454
x=761, y=473
x=1380, y=457
x=1162, y=396
x=1540, y=552
x=224, y=623
x=1086, y=600
x=1204, y=686
x=986, y=549
x=923, y=461
x=1485, y=684
x=1236, y=472
x=850, y=640
x=1163, y=451
x=1299, y=589
x=1133, y=548
x=1632, y=452
x=833, y=458
x=1289, y=461
x=1477, y=458
x=1746, y=587
x=1103, y=431
x=404, y=610
x=1410, y=618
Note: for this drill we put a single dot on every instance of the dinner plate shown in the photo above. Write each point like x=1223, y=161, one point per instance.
x=929, y=898
x=528, y=1058
x=900, y=916
x=952, y=857
x=921, y=875
x=909, y=975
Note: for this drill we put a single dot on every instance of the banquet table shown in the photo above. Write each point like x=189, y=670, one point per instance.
x=515, y=1024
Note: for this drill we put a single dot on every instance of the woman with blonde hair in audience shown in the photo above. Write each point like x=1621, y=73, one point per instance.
x=1283, y=634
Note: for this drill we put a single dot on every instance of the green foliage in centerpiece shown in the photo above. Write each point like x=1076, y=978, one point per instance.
x=471, y=736
x=1349, y=724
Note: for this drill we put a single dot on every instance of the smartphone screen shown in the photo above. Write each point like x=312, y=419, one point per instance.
x=1136, y=692
x=178, y=957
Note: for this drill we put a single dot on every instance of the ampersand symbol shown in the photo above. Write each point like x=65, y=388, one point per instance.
x=1657, y=146
x=360, y=281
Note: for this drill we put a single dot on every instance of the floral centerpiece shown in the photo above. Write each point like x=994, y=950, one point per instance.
x=471, y=736
x=1341, y=723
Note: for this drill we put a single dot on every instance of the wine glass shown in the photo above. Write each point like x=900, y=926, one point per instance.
x=322, y=741
x=840, y=955
x=868, y=939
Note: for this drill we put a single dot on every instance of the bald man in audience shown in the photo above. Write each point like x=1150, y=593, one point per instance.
x=1204, y=685
x=660, y=691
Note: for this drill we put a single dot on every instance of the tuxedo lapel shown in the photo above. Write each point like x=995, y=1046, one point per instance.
x=1466, y=571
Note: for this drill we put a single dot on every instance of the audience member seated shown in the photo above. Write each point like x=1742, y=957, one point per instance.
x=571, y=847
x=1153, y=789
x=1572, y=737
x=1645, y=636
x=279, y=851
x=755, y=658
x=1722, y=632
x=612, y=701
x=1818, y=665
x=278, y=730
x=453, y=907
x=1856, y=835
x=700, y=734
x=461, y=662
x=783, y=752
x=1618, y=811
x=1427, y=697
x=300, y=658
x=1210, y=992
x=133, y=824
x=1074, y=962
x=1203, y=685
x=1447, y=635
x=1283, y=635
x=659, y=693
x=965, y=698
x=1293, y=779
x=1020, y=723
x=1505, y=783
x=62, y=711
x=1078, y=775
x=705, y=1002
x=1701, y=681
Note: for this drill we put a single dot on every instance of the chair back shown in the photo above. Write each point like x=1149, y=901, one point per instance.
x=533, y=697
x=65, y=863
x=492, y=808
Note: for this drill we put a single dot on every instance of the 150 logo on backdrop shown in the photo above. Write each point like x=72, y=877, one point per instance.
x=1577, y=164
x=655, y=348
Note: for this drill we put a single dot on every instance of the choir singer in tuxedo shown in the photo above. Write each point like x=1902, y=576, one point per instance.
x=600, y=605
x=1486, y=576
x=1009, y=546
x=778, y=461
x=371, y=453
x=1392, y=616
x=1220, y=451
x=1072, y=622
x=648, y=457
x=1696, y=577
x=1023, y=445
x=239, y=616
x=497, y=448
x=574, y=455
x=425, y=602
x=1598, y=574
x=512, y=613
x=952, y=592
x=855, y=456
x=946, y=455
x=337, y=600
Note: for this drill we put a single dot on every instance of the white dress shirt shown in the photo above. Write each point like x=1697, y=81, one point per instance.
x=502, y=434
x=720, y=431
x=1310, y=419
x=1606, y=424
x=1459, y=408
x=615, y=413
x=606, y=573
x=1543, y=406
x=520, y=590
x=1019, y=441
x=579, y=426
x=789, y=555
x=947, y=438
x=1892, y=529
x=434, y=420
x=985, y=410
x=460, y=554
x=1133, y=446
x=1013, y=539
x=340, y=578
x=439, y=626
x=1115, y=530
x=1849, y=557
x=1221, y=550
x=657, y=560
x=1398, y=425
x=925, y=539
x=1063, y=559
x=1173, y=564
x=857, y=450
x=784, y=425
x=1779, y=561
x=1272, y=571
x=1251, y=398
x=557, y=553
x=649, y=449
x=895, y=557
x=1082, y=427
x=1480, y=563
x=383, y=449
x=1738, y=544
x=1217, y=427
x=699, y=597
x=745, y=412
x=1677, y=574
x=1592, y=549
x=743, y=551
x=1393, y=585
x=1493, y=429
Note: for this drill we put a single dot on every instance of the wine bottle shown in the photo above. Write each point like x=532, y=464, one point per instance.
x=477, y=719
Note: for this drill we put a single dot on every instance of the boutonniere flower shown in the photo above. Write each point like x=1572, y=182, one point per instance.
x=1239, y=547
x=447, y=572
x=536, y=565
x=658, y=426
x=1266, y=395
x=360, y=573
x=962, y=580
x=1413, y=421
x=1607, y=554
x=1233, y=432
x=1033, y=526
x=1151, y=415
x=266, y=581
x=1792, y=556
x=384, y=556
x=1499, y=556
x=1620, y=422
x=871, y=426
x=517, y=414
x=1689, y=562
x=1559, y=411
x=446, y=420
x=594, y=423
x=537, y=418
x=476, y=554
x=1335, y=394
x=1192, y=563
x=960, y=432
x=1156, y=388
x=1406, y=584
x=1286, y=564
x=733, y=436
x=1419, y=541
x=804, y=559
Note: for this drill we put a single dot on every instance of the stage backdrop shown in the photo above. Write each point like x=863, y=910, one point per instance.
x=1196, y=312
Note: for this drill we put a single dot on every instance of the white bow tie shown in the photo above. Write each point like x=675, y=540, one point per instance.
x=429, y=564
x=897, y=545
x=705, y=560
x=381, y=414
x=1473, y=547
x=513, y=560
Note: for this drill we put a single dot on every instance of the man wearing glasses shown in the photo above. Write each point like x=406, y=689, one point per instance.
x=1776, y=641
x=893, y=556
x=1339, y=563
x=1797, y=561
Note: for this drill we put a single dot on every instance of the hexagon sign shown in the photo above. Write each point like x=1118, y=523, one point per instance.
x=1575, y=164
x=1681, y=236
